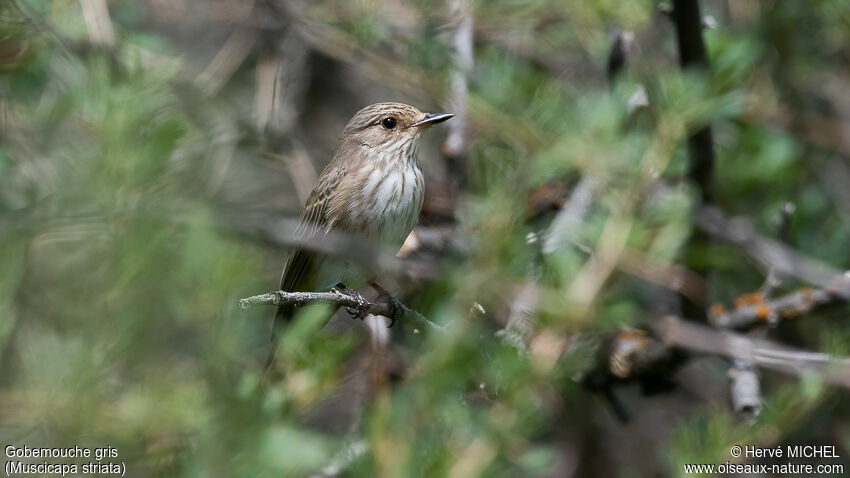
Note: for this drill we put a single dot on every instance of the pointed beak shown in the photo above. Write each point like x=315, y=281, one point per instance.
x=432, y=118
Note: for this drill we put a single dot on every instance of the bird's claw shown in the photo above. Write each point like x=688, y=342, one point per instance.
x=396, y=311
x=395, y=308
x=358, y=311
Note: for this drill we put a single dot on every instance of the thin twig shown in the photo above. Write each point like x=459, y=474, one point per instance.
x=383, y=308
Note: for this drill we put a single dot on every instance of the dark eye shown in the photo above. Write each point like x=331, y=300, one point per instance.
x=388, y=123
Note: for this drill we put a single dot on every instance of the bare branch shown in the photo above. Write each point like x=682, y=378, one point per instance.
x=634, y=352
x=773, y=254
x=761, y=353
x=383, y=308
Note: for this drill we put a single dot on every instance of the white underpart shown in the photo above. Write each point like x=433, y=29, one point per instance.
x=389, y=223
x=394, y=192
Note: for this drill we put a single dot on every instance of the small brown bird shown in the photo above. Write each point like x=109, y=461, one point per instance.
x=372, y=190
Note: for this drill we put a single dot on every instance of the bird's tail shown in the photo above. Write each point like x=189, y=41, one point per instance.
x=283, y=315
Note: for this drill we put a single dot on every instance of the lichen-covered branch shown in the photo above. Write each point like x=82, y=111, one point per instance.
x=634, y=352
x=753, y=309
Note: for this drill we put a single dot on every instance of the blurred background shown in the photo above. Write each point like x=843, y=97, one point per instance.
x=153, y=154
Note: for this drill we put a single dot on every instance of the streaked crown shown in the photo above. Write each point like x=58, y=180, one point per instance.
x=386, y=127
x=391, y=117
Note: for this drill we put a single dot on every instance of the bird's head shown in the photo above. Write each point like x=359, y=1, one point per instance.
x=389, y=127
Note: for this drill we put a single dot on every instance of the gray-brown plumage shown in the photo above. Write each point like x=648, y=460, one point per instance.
x=372, y=190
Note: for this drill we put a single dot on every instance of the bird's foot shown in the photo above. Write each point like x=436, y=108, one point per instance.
x=359, y=310
x=396, y=310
